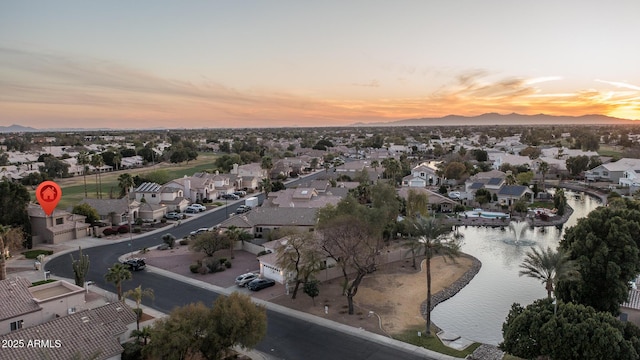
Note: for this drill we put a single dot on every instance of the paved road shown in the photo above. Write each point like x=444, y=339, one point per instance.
x=288, y=337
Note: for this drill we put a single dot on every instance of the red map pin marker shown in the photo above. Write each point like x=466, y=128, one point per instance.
x=48, y=194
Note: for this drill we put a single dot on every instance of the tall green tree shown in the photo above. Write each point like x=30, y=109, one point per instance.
x=549, y=267
x=544, y=170
x=433, y=238
x=125, y=183
x=606, y=250
x=84, y=160
x=417, y=204
x=196, y=331
x=91, y=215
x=209, y=242
x=10, y=239
x=14, y=200
x=567, y=331
x=97, y=162
x=116, y=274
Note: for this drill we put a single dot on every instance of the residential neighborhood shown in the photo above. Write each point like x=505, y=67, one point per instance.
x=283, y=184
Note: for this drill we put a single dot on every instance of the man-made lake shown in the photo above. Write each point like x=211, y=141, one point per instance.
x=479, y=309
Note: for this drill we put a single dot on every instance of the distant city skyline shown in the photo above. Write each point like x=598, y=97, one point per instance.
x=152, y=64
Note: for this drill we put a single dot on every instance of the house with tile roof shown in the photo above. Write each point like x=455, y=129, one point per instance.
x=510, y=194
x=94, y=333
x=261, y=221
x=24, y=305
x=423, y=175
x=115, y=211
x=437, y=202
x=302, y=197
x=56, y=228
x=170, y=195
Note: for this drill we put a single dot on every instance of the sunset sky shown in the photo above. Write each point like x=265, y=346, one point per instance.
x=208, y=64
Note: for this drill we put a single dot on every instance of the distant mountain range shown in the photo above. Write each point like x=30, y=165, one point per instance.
x=16, y=128
x=449, y=120
x=508, y=119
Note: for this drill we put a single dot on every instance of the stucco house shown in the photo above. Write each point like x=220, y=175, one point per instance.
x=437, y=202
x=612, y=171
x=115, y=211
x=92, y=333
x=24, y=305
x=56, y=228
x=261, y=221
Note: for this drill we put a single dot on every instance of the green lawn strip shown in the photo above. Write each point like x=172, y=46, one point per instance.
x=73, y=189
x=432, y=343
x=610, y=151
x=32, y=254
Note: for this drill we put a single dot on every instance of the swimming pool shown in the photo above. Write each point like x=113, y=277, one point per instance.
x=486, y=214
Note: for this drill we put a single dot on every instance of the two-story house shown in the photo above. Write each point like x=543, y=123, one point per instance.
x=422, y=175
x=58, y=227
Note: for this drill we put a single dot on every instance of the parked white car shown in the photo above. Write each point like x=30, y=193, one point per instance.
x=198, y=207
x=244, y=279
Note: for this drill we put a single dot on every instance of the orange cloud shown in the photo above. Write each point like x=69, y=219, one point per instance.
x=46, y=90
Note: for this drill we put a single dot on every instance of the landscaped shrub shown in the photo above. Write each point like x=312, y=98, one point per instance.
x=163, y=221
x=223, y=260
x=194, y=268
x=184, y=242
x=123, y=229
x=33, y=254
x=109, y=231
x=137, y=230
x=214, y=265
x=42, y=282
x=227, y=264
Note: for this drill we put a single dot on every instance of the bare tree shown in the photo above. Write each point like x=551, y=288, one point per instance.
x=300, y=256
x=347, y=240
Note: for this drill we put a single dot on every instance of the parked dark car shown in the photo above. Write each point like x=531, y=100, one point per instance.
x=259, y=284
x=243, y=209
x=134, y=264
x=230, y=197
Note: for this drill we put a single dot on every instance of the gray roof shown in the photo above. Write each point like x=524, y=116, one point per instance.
x=494, y=181
x=84, y=333
x=513, y=190
x=476, y=186
x=106, y=206
x=275, y=216
x=16, y=299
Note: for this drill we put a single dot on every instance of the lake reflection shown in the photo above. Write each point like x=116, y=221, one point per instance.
x=478, y=311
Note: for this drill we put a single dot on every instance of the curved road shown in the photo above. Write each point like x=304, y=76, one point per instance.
x=288, y=337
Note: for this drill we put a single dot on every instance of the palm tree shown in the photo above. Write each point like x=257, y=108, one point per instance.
x=233, y=233
x=266, y=185
x=145, y=334
x=10, y=239
x=116, y=275
x=267, y=164
x=544, y=169
x=511, y=179
x=137, y=294
x=125, y=183
x=433, y=238
x=97, y=161
x=549, y=267
x=83, y=159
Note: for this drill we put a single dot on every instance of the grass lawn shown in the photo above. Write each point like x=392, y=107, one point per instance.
x=73, y=189
x=432, y=343
x=612, y=151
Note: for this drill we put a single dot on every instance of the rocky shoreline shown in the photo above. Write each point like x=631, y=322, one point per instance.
x=454, y=288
